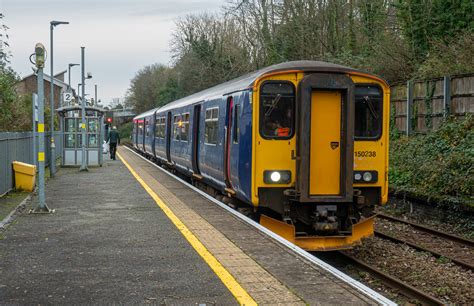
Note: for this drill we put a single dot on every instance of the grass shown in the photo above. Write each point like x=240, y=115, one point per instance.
x=9, y=201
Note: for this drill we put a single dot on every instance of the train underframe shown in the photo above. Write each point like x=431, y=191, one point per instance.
x=319, y=226
x=311, y=226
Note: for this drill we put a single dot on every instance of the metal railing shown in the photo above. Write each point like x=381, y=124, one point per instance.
x=18, y=146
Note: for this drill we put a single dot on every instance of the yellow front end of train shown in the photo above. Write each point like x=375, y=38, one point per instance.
x=320, y=155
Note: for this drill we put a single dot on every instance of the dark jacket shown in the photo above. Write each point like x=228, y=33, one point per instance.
x=114, y=137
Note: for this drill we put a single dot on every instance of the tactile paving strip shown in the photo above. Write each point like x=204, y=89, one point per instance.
x=258, y=282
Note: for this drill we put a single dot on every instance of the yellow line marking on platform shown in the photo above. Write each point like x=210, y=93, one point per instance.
x=227, y=279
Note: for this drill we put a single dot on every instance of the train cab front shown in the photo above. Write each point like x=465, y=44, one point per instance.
x=311, y=186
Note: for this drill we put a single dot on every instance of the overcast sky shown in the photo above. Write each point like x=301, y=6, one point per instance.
x=120, y=36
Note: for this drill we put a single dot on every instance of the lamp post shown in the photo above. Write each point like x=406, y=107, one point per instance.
x=83, y=110
x=69, y=73
x=39, y=63
x=52, y=159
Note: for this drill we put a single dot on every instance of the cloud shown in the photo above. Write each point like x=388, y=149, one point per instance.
x=120, y=36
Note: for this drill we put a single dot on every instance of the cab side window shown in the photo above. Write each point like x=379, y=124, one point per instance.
x=368, y=112
x=277, y=110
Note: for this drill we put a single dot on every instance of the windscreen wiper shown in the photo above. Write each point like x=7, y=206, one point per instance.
x=273, y=105
x=371, y=107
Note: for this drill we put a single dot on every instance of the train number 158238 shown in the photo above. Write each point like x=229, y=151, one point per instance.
x=365, y=153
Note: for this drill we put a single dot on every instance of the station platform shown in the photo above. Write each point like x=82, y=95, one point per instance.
x=130, y=233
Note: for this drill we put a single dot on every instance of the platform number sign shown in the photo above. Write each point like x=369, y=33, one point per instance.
x=67, y=97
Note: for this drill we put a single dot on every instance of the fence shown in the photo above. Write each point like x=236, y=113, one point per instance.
x=427, y=102
x=19, y=147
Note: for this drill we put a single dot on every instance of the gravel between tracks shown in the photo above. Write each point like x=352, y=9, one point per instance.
x=449, y=221
x=429, y=241
x=444, y=280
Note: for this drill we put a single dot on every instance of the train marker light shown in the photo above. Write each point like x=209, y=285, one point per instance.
x=367, y=176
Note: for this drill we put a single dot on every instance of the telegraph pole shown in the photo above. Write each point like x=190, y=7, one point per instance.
x=40, y=55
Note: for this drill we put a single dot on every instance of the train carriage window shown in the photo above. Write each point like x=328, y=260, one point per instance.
x=160, y=127
x=236, y=123
x=368, y=112
x=176, y=126
x=185, y=127
x=211, y=125
x=277, y=110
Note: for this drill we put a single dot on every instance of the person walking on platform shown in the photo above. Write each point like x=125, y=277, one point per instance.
x=113, y=139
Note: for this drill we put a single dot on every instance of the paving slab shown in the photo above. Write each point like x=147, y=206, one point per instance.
x=108, y=242
x=289, y=277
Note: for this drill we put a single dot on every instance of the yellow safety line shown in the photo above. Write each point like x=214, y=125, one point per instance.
x=229, y=281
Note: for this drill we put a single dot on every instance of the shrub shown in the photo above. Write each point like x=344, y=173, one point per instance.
x=125, y=131
x=438, y=165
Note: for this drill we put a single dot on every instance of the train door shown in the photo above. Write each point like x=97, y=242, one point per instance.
x=196, y=139
x=325, y=138
x=228, y=142
x=235, y=157
x=325, y=150
x=168, y=137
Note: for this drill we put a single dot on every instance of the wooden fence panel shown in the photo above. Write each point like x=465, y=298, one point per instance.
x=428, y=108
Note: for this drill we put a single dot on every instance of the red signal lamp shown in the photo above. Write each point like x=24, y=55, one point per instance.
x=109, y=120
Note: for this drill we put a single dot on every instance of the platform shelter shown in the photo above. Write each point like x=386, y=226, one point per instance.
x=70, y=119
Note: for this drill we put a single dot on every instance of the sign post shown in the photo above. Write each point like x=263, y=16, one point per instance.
x=34, y=120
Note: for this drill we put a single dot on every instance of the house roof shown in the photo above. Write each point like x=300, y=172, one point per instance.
x=47, y=77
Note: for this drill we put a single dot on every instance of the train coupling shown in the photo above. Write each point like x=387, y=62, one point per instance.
x=325, y=219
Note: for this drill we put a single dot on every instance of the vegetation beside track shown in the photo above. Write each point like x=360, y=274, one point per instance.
x=125, y=131
x=438, y=166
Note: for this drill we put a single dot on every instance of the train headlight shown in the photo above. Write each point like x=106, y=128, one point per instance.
x=277, y=176
x=366, y=176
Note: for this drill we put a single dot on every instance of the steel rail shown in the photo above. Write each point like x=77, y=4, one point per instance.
x=393, y=282
x=369, y=292
x=423, y=249
x=429, y=230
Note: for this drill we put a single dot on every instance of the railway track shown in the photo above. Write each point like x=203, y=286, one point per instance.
x=392, y=282
x=440, y=244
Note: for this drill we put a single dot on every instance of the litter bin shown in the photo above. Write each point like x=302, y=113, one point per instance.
x=25, y=176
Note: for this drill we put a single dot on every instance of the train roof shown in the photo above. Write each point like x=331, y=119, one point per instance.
x=249, y=79
x=146, y=114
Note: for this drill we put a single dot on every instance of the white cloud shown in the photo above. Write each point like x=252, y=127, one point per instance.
x=120, y=36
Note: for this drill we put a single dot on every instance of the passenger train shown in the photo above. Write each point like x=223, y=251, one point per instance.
x=301, y=146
